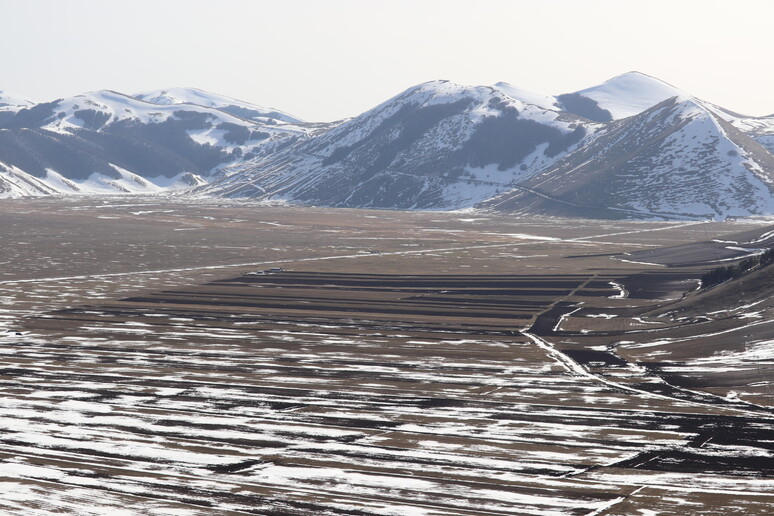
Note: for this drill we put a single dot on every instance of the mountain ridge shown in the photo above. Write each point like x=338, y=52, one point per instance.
x=632, y=146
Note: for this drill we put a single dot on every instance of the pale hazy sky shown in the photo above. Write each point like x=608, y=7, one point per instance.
x=327, y=59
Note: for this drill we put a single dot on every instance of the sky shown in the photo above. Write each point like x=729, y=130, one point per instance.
x=324, y=60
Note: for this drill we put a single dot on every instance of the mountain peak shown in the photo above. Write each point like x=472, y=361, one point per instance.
x=639, y=83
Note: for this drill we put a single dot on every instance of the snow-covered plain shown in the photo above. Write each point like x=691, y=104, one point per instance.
x=327, y=402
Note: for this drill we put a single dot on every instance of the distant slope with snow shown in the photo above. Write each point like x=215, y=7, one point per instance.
x=197, y=97
x=633, y=146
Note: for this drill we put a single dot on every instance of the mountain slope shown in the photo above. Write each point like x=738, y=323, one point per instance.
x=16, y=183
x=435, y=146
x=677, y=159
x=761, y=128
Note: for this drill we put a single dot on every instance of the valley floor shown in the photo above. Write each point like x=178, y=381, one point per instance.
x=401, y=363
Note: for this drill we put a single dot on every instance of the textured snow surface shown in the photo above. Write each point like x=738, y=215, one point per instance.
x=630, y=93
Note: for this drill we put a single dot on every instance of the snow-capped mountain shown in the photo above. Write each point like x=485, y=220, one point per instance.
x=107, y=141
x=632, y=93
x=632, y=146
x=197, y=97
x=676, y=159
x=438, y=145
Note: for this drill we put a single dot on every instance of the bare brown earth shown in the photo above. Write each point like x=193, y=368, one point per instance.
x=402, y=363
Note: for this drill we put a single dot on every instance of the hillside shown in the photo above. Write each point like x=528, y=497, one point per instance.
x=438, y=145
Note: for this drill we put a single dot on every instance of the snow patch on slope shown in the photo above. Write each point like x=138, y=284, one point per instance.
x=12, y=102
x=721, y=176
x=528, y=97
x=70, y=112
x=15, y=183
x=197, y=97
